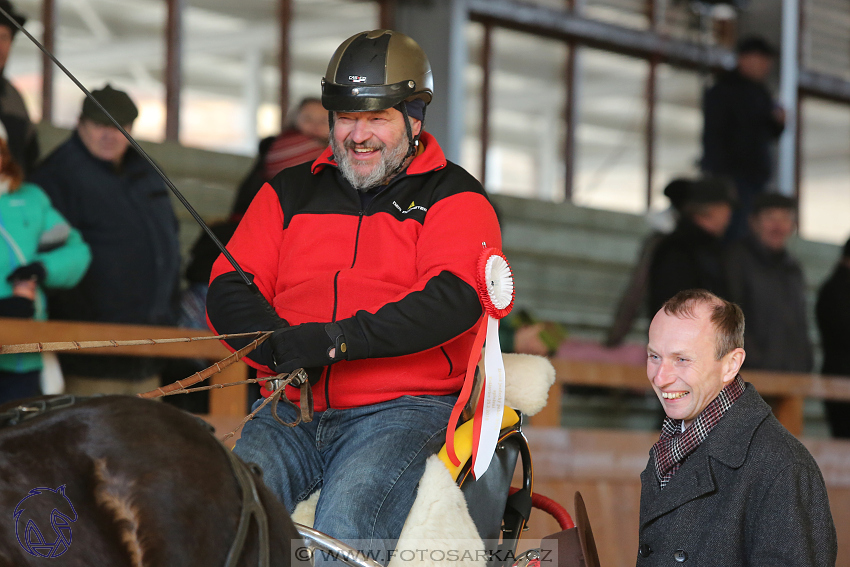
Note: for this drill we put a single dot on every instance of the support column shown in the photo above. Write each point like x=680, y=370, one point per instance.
x=285, y=18
x=48, y=39
x=438, y=26
x=173, y=68
x=788, y=93
x=654, y=10
x=387, y=14
x=251, y=94
x=651, y=88
x=571, y=117
x=486, y=57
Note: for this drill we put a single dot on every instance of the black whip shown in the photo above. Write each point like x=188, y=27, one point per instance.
x=138, y=148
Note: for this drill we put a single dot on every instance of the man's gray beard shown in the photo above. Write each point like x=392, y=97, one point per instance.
x=387, y=167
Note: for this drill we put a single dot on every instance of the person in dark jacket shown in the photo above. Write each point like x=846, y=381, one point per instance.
x=833, y=317
x=692, y=255
x=768, y=284
x=741, y=123
x=364, y=266
x=20, y=131
x=726, y=483
x=122, y=208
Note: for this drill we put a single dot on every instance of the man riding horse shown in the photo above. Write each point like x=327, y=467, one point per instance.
x=364, y=266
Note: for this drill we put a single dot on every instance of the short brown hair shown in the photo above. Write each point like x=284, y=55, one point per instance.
x=727, y=318
x=10, y=169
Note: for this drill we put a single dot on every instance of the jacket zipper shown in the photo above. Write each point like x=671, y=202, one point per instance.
x=336, y=302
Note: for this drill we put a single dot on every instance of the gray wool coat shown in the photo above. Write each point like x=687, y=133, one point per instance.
x=750, y=495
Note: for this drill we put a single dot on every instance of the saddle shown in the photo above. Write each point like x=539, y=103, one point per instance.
x=484, y=516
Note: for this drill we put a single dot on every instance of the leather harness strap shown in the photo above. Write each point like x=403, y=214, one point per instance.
x=251, y=506
x=299, y=380
x=28, y=411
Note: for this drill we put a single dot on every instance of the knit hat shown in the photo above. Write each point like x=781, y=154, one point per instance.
x=117, y=103
x=773, y=201
x=707, y=190
x=17, y=17
x=677, y=191
x=415, y=108
x=755, y=44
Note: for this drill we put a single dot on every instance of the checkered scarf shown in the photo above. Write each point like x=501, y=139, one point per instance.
x=674, y=446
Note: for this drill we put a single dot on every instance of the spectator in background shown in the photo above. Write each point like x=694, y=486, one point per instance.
x=741, y=122
x=20, y=132
x=304, y=140
x=833, y=316
x=122, y=208
x=768, y=284
x=38, y=249
x=692, y=255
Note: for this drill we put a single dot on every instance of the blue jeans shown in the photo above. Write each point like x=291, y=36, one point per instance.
x=368, y=462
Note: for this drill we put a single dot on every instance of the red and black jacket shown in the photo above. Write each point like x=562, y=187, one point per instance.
x=397, y=275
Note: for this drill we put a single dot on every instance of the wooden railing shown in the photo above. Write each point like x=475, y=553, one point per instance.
x=229, y=401
x=788, y=390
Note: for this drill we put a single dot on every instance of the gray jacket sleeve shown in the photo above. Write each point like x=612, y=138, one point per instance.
x=793, y=524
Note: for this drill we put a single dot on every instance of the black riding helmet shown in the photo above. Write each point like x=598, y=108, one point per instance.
x=377, y=70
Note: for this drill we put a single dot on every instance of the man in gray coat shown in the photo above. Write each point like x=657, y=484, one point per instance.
x=726, y=484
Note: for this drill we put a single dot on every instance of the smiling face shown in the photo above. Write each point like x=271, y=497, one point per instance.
x=682, y=366
x=370, y=147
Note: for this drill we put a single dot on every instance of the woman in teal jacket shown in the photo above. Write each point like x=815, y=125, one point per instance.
x=38, y=248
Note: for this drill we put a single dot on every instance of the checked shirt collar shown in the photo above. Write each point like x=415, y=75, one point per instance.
x=674, y=446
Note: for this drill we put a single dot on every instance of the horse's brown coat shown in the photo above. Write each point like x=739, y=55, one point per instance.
x=150, y=485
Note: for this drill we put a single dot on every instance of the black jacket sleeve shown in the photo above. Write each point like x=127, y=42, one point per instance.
x=234, y=307
x=445, y=308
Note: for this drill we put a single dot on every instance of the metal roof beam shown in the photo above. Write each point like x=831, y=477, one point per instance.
x=645, y=44
x=564, y=25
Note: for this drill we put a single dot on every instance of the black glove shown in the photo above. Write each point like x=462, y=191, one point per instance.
x=310, y=345
x=19, y=307
x=33, y=270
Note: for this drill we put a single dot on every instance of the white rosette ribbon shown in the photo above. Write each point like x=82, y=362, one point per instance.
x=497, y=297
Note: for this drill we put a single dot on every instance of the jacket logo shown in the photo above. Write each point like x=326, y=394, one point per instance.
x=357, y=79
x=412, y=207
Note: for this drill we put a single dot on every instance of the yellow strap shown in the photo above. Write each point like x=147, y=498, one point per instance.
x=463, y=442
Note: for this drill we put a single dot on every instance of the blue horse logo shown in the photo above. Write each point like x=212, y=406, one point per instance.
x=30, y=537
